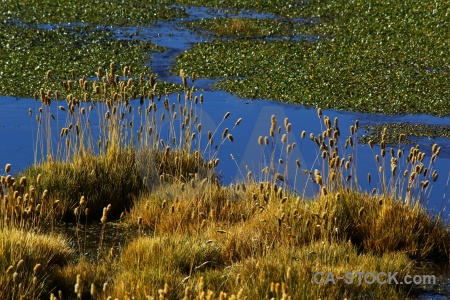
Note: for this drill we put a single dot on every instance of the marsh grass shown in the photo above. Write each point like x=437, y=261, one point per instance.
x=261, y=250
x=99, y=274
x=258, y=237
x=283, y=274
x=28, y=261
x=149, y=269
x=100, y=179
x=124, y=155
x=171, y=167
x=263, y=222
x=235, y=27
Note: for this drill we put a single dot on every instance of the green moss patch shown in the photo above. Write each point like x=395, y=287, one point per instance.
x=248, y=27
x=409, y=130
x=371, y=57
x=113, y=12
x=28, y=53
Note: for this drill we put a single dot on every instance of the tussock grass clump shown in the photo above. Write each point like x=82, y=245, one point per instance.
x=109, y=178
x=290, y=271
x=28, y=261
x=187, y=208
x=384, y=225
x=113, y=162
x=94, y=278
x=191, y=266
x=272, y=241
x=259, y=238
x=374, y=224
x=177, y=166
x=235, y=26
x=153, y=262
x=381, y=224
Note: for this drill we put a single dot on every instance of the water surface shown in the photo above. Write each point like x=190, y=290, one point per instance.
x=18, y=130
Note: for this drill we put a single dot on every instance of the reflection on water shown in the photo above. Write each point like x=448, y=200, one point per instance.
x=18, y=130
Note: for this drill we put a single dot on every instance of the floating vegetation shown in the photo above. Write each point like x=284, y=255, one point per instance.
x=38, y=38
x=372, y=57
x=388, y=58
x=248, y=27
x=114, y=12
x=409, y=131
x=182, y=220
x=284, y=8
x=28, y=54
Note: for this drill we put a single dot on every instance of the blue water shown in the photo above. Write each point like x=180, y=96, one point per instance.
x=18, y=130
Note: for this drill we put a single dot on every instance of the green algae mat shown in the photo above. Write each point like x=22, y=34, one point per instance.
x=386, y=57
x=371, y=56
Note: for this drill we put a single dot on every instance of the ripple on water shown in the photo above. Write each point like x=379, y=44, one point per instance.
x=18, y=130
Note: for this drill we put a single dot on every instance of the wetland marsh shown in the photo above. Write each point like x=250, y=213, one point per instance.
x=132, y=179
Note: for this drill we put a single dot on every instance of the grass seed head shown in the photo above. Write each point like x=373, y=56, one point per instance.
x=260, y=140
x=37, y=268
x=318, y=179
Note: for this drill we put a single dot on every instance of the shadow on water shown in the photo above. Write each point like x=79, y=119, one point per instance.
x=18, y=130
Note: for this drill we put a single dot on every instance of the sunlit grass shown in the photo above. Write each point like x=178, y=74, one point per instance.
x=102, y=179
x=28, y=262
x=150, y=159
x=194, y=236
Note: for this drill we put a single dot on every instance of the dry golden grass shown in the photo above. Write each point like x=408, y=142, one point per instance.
x=177, y=266
x=100, y=275
x=235, y=26
x=29, y=261
x=196, y=238
x=101, y=179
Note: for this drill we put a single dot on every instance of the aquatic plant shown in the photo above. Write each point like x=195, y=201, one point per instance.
x=369, y=57
x=258, y=237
